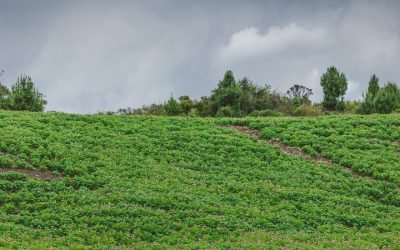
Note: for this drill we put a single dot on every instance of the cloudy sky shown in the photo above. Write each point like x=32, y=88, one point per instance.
x=88, y=56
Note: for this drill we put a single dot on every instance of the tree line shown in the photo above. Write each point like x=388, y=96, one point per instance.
x=239, y=98
x=243, y=97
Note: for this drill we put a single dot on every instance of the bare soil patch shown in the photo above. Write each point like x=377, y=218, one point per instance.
x=37, y=174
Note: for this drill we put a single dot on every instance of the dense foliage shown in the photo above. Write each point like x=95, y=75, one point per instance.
x=231, y=98
x=299, y=95
x=243, y=97
x=172, y=107
x=383, y=100
x=387, y=99
x=174, y=182
x=22, y=96
x=265, y=112
x=369, y=145
x=334, y=86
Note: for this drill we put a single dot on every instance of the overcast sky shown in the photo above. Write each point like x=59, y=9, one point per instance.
x=89, y=56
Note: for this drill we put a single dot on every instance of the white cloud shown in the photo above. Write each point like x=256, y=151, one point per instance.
x=250, y=43
x=87, y=56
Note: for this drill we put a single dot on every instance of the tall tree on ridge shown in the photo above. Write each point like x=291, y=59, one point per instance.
x=227, y=93
x=25, y=96
x=368, y=106
x=334, y=84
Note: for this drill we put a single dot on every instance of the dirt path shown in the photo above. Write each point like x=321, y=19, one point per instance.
x=286, y=149
x=37, y=174
x=297, y=152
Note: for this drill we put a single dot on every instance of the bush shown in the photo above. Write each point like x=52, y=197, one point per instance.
x=25, y=96
x=268, y=133
x=172, y=107
x=226, y=111
x=352, y=107
x=193, y=112
x=307, y=110
x=265, y=113
x=387, y=99
x=5, y=162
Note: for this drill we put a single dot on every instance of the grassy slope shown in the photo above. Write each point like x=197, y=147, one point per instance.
x=369, y=145
x=154, y=181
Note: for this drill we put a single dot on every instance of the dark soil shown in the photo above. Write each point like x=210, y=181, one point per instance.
x=37, y=174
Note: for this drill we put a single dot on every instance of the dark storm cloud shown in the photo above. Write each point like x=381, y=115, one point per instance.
x=88, y=56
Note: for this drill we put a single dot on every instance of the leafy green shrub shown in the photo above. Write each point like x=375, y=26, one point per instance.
x=13, y=176
x=268, y=133
x=226, y=111
x=387, y=99
x=351, y=107
x=5, y=161
x=307, y=110
x=172, y=107
x=193, y=112
x=25, y=96
x=265, y=113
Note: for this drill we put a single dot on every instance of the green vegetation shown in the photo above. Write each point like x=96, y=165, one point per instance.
x=387, y=99
x=232, y=98
x=369, y=145
x=240, y=98
x=334, y=85
x=264, y=113
x=172, y=107
x=175, y=182
x=23, y=96
x=299, y=95
x=383, y=100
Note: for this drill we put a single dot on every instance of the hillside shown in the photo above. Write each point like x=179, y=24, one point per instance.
x=140, y=181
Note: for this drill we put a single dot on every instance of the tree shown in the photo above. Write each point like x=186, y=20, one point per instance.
x=227, y=93
x=4, y=93
x=25, y=96
x=172, y=107
x=299, y=95
x=264, y=98
x=193, y=113
x=153, y=109
x=204, y=106
x=368, y=106
x=186, y=103
x=387, y=99
x=228, y=81
x=334, y=84
x=373, y=85
x=248, y=98
x=225, y=111
x=255, y=97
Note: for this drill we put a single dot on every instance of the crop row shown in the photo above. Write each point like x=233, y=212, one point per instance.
x=369, y=145
x=163, y=181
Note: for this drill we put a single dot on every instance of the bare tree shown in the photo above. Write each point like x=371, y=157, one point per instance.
x=299, y=94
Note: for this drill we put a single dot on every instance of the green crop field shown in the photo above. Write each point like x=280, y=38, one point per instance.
x=125, y=182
